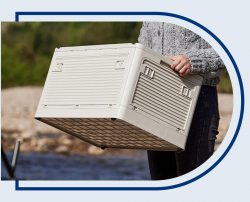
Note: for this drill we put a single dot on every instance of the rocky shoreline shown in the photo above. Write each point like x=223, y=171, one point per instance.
x=56, y=143
x=18, y=107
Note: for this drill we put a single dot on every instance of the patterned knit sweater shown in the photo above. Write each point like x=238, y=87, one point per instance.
x=170, y=40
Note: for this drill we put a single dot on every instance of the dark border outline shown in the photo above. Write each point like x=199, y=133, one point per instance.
x=144, y=188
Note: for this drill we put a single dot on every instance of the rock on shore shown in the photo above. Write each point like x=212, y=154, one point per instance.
x=18, y=109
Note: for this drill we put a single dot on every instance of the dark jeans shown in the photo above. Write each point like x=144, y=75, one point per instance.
x=200, y=142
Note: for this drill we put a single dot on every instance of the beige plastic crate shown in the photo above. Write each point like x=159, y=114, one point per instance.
x=119, y=96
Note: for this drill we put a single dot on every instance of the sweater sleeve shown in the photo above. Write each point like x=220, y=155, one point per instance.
x=205, y=62
x=143, y=34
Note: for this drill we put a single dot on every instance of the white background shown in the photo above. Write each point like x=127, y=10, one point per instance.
x=229, y=21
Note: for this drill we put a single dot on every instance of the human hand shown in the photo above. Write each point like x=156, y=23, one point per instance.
x=181, y=64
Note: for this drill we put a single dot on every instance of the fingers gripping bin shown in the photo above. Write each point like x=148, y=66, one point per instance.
x=119, y=96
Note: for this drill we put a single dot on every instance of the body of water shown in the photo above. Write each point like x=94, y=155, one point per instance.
x=39, y=166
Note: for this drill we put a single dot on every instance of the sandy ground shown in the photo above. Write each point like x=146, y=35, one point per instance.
x=19, y=106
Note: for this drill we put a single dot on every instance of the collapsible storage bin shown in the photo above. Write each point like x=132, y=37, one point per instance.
x=119, y=96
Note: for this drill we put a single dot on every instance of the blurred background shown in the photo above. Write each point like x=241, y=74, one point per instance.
x=47, y=153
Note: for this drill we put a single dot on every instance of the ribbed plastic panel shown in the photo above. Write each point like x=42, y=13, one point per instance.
x=104, y=132
x=85, y=80
x=162, y=95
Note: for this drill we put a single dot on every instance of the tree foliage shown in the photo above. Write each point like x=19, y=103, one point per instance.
x=27, y=48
